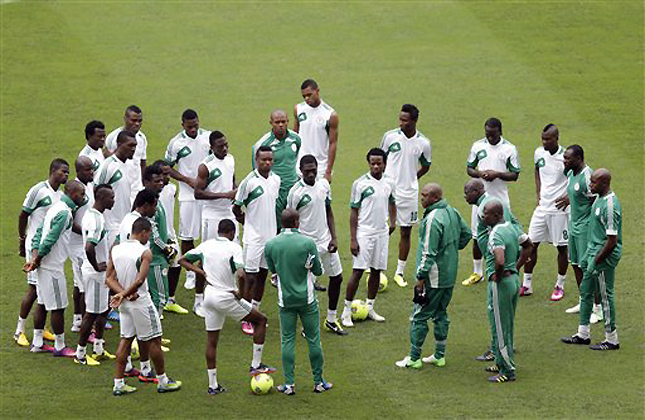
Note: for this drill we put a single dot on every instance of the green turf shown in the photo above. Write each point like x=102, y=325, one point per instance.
x=576, y=64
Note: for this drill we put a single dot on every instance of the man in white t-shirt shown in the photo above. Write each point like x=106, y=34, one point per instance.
x=496, y=161
x=95, y=140
x=409, y=156
x=548, y=223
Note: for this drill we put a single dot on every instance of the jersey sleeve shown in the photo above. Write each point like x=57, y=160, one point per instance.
x=465, y=234
x=587, y=177
x=238, y=258
x=536, y=156
x=327, y=191
x=31, y=200
x=495, y=241
x=432, y=236
x=110, y=141
x=56, y=228
x=291, y=197
x=473, y=159
x=268, y=256
x=313, y=260
x=144, y=152
x=425, y=159
x=170, y=157
x=513, y=161
x=355, y=196
x=392, y=197
x=242, y=193
x=195, y=255
x=92, y=228
x=384, y=143
x=614, y=217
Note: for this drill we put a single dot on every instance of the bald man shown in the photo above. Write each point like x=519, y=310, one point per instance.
x=442, y=233
x=604, y=250
x=49, y=252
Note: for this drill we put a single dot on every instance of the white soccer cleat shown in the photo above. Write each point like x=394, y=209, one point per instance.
x=374, y=316
x=346, y=320
x=596, y=315
x=573, y=310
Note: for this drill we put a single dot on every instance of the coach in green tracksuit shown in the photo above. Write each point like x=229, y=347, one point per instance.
x=443, y=232
x=294, y=258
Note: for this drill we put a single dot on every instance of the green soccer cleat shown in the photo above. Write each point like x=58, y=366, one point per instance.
x=441, y=362
x=406, y=362
x=170, y=386
x=124, y=390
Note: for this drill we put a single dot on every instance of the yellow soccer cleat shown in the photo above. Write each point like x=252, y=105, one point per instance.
x=104, y=356
x=165, y=341
x=398, y=279
x=21, y=339
x=473, y=279
x=88, y=361
x=47, y=335
x=165, y=349
x=176, y=308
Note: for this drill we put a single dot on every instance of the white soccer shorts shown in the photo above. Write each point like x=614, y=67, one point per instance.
x=96, y=292
x=254, y=259
x=372, y=252
x=549, y=227
x=140, y=319
x=330, y=262
x=52, y=289
x=407, y=213
x=76, y=256
x=32, y=276
x=211, y=225
x=473, y=221
x=220, y=305
x=190, y=220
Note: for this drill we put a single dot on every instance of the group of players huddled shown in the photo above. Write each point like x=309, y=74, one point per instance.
x=115, y=223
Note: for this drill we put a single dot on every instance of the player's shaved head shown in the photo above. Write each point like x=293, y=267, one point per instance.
x=73, y=187
x=602, y=174
x=474, y=184
x=430, y=194
x=82, y=163
x=290, y=218
x=600, y=182
x=493, y=213
x=473, y=190
x=278, y=113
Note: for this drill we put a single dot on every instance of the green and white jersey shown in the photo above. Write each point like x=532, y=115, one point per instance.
x=158, y=238
x=125, y=228
x=310, y=201
x=313, y=129
x=404, y=155
x=606, y=220
x=285, y=157
x=39, y=199
x=258, y=195
x=503, y=236
x=483, y=231
x=134, y=164
x=502, y=157
x=580, y=201
x=75, y=239
x=94, y=231
x=553, y=182
x=220, y=179
x=372, y=197
x=220, y=260
x=115, y=173
x=167, y=201
x=294, y=258
x=187, y=153
x=126, y=258
x=52, y=238
x=96, y=156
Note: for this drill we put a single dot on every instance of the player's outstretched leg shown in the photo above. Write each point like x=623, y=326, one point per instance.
x=259, y=321
x=165, y=384
x=350, y=293
x=25, y=307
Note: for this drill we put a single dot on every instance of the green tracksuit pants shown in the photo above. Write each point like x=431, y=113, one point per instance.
x=501, y=302
x=310, y=318
x=599, y=281
x=435, y=309
x=158, y=286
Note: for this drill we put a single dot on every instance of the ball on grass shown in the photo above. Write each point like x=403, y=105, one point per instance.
x=261, y=384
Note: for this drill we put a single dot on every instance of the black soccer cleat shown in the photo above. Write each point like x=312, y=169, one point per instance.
x=576, y=339
x=605, y=345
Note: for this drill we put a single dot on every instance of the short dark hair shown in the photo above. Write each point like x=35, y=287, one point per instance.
x=133, y=108
x=577, y=150
x=124, y=135
x=263, y=148
x=91, y=127
x=150, y=171
x=189, y=114
x=98, y=190
x=226, y=226
x=141, y=224
x=308, y=159
x=412, y=110
x=56, y=164
x=215, y=135
x=309, y=83
x=159, y=163
x=376, y=151
x=493, y=122
x=547, y=127
x=145, y=196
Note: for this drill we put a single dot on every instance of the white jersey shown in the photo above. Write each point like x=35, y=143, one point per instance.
x=371, y=197
x=59, y=218
x=114, y=172
x=126, y=258
x=39, y=199
x=220, y=179
x=502, y=157
x=403, y=157
x=134, y=164
x=188, y=153
x=125, y=228
x=313, y=130
x=167, y=201
x=553, y=181
x=75, y=239
x=94, y=231
x=258, y=194
x=96, y=156
x=310, y=201
x=220, y=260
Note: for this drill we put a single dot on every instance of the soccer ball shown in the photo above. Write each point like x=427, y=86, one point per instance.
x=261, y=384
x=359, y=310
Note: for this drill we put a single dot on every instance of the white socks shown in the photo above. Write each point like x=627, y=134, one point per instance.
x=477, y=267
x=370, y=304
x=21, y=326
x=584, y=331
x=560, y=282
x=331, y=315
x=38, y=338
x=199, y=298
x=128, y=364
x=145, y=368
x=255, y=304
x=347, y=307
x=212, y=378
x=81, y=351
x=98, y=345
x=528, y=278
x=118, y=383
x=163, y=379
x=59, y=341
x=612, y=337
x=257, y=355
x=76, y=321
x=400, y=267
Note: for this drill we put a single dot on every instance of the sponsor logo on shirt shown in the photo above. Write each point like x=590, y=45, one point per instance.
x=540, y=163
x=481, y=154
x=302, y=116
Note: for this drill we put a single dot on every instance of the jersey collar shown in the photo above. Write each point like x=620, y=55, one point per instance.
x=484, y=195
x=441, y=204
x=289, y=231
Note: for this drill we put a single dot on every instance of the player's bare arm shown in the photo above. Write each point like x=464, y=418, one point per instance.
x=200, y=187
x=191, y=267
x=391, y=209
x=239, y=214
x=296, y=123
x=538, y=185
x=333, y=244
x=175, y=174
x=422, y=171
x=499, y=264
x=353, y=226
x=90, y=252
x=525, y=253
x=562, y=203
x=473, y=172
x=22, y=236
x=333, y=145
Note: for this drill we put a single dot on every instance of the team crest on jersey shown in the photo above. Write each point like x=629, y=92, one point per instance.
x=294, y=147
x=95, y=165
x=540, y=163
x=576, y=186
x=302, y=116
x=320, y=120
x=394, y=147
x=86, y=199
x=185, y=151
x=44, y=202
x=306, y=199
x=117, y=176
x=481, y=154
x=213, y=175
x=367, y=192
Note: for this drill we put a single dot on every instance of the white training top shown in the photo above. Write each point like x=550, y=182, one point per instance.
x=220, y=260
x=75, y=239
x=125, y=228
x=134, y=164
x=553, y=181
x=39, y=199
x=126, y=258
x=371, y=197
x=115, y=172
x=314, y=132
x=310, y=201
x=96, y=156
x=187, y=153
x=404, y=155
x=502, y=157
x=220, y=179
x=94, y=231
x=167, y=201
x=258, y=194
x=55, y=259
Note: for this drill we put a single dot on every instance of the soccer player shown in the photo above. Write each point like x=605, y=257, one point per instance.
x=503, y=261
x=114, y=172
x=294, y=257
x=317, y=125
x=95, y=138
x=258, y=193
x=604, y=249
x=93, y=270
x=38, y=201
x=409, y=156
x=221, y=261
x=132, y=123
x=548, y=223
x=495, y=161
x=443, y=232
x=372, y=200
x=126, y=277
x=49, y=252
x=285, y=145
x=311, y=198
x=187, y=150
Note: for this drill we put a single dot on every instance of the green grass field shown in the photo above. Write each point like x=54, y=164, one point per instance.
x=576, y=64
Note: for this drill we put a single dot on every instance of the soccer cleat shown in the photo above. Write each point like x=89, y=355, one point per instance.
x=526, y=291
x=437, y=362
x=175, y=308
x=274, y=280
x=488, y=356
x=161, y=317
x=88, y=360
x=103, y=356
x=346, y=320
x=164, y=349
x=323, y=386
x=374, y=316
x=605, y=345
x=406, y=362
x=247, y=328
x=47, y=335
x=492, y=369
x=319, y=286
x=500, y=378
x=198, y=310
x=214, y=391
x=75, y=328
x=108, y=326
x=132, y=373
x=400, y=281
x=124, y=390
x=165, y=341
x=189, y=284
x=150, y=378
x=573, y=309
x=576, y=339
x=335, y=328
x=261, y=369
x=45, y=348
x=64, y=352
x=558, y=294
x=596, y=315
x=21, y=339
x=473, y=279
x=169, y=386
x=287, y=389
